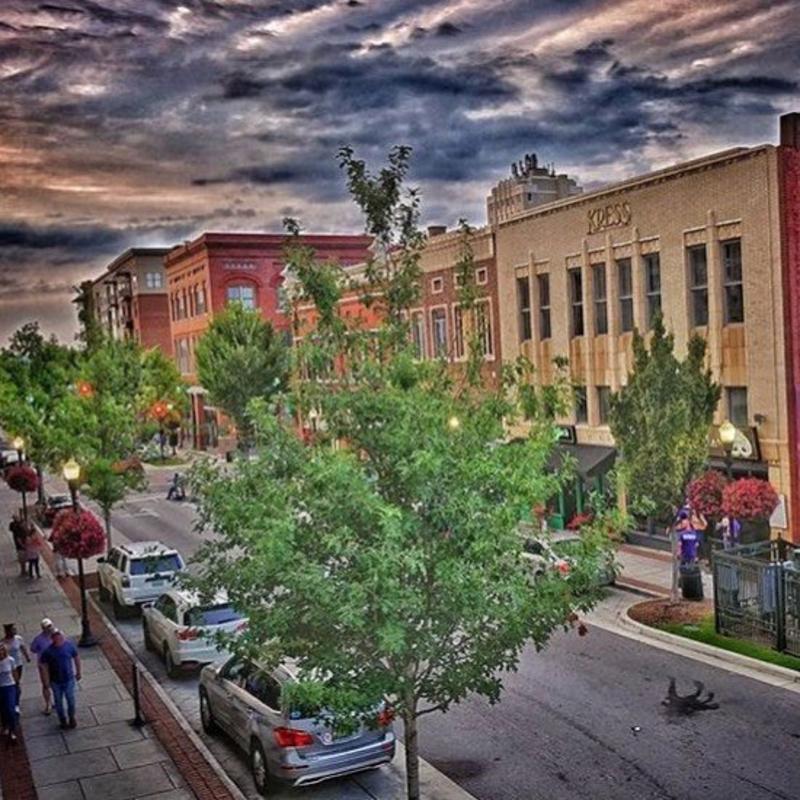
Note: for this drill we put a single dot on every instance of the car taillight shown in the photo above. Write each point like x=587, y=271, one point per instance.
x=126, y=581
x=385, y=717
x=291, y=737
x=188, y=634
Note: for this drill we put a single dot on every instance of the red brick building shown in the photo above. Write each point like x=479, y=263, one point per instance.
x=205, y=274
x=130, y=298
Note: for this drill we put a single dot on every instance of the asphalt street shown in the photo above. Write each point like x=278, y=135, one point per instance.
x=582, y=719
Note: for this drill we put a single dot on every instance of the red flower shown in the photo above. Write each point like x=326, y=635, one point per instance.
x=580, y=520
x=705, y=493
x=749, y=498
x=78, y=535
x=21, y=478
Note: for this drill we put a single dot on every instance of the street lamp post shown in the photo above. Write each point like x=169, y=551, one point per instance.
x=727, y=436
x=19, y=445
x=72, y=474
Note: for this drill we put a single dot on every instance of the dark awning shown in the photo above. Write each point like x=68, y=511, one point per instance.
x=741, y=467
x=590, y=460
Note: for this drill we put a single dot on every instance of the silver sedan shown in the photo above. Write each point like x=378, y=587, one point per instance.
x=284, y=745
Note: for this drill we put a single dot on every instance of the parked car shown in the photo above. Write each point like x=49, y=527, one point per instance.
x=182, y=628
x=286, y=746
x=54, y=503
x=137, y=573
x=7, y=458
x=558, y=552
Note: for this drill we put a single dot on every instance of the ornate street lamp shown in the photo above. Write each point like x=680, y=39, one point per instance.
x=19, y=445
x=78, y=535
x=727, y=436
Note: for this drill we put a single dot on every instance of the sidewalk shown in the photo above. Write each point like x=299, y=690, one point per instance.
x=650, y=571
x=104, y=757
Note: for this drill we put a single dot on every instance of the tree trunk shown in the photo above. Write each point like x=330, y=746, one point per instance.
x=412, y=754
x=107, y=517
x=40, y=488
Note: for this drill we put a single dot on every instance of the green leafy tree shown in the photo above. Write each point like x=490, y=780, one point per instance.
x=241, y=358
x=91, y=332
x=391, y=563
x=660, y=421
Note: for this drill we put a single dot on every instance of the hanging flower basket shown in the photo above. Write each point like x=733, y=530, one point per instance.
x=705, y=493
x=22, y=478
x=749, y=499
x=78, y=534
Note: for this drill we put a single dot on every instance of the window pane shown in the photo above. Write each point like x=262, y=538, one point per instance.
x=732, y=279
x=458, y=331
x=544, y=306
x=626, y=315
x=576, y=297
x=439, y=326
x=603, y=403
x=524, y=306
x=652, y=282
x=698, y=266
x=581, y=405
x=700, y=306
x=600, y=305
x=418, y=335
x=625, y=283
x=484, y=328
x=737, y=406
x=732, y=260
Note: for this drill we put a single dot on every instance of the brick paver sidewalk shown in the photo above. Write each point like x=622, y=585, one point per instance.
x=105, y=757
x=650, y=570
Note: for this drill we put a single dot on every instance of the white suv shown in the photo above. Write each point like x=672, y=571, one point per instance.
x=181, y=628
x=137, y=573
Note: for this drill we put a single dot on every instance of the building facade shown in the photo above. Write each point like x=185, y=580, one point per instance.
x=713, y=245
x=206, y=274
x=130, y=298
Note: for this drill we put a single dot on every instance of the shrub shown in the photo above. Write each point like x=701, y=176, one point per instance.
x=749, y=499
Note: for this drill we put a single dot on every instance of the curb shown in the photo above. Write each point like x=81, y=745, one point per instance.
x=781, y=675
x=170, y=705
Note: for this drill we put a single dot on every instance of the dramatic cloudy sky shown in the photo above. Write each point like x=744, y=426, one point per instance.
x=144, y=122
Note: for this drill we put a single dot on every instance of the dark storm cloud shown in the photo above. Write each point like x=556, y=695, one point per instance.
x=142, y=121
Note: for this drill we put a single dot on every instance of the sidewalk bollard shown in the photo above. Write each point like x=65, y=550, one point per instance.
x=138, y=720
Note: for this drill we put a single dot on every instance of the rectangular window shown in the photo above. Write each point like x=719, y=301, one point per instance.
x=600, y=299
x=481, y=276
x=737, y=405
x=732, y=280
x=652, y=285
x=524, y=308
x=246, y=295
x=437, y=285
x=200, y=303
x=182, y=351
x=581, y=405
x=418, y=334
x=625, y=285
x=576, y=301
x=603, y=403
x=483, y=327
x=458, y=331
x=698, y=284
x=439, y=330
x=154, y=280
x=543, y=282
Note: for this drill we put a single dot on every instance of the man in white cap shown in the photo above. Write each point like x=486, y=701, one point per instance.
x=39, y=644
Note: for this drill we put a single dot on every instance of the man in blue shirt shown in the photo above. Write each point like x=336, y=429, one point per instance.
x=63, y=669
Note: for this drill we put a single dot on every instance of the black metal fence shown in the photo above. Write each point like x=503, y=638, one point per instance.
x=757, y=594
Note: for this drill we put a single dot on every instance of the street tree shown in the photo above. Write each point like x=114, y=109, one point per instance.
x=660, y=421
x=385, y=555
x=241, y=358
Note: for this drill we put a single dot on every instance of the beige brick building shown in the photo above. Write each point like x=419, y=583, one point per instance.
x=706, y=243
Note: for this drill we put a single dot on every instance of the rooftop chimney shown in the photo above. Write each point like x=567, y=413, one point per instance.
x=790, y=130
x=436, y=230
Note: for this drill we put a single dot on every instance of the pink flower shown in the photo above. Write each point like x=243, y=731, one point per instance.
x=78, y=534
x=705, y=493
x=21, y=478
x=749, y=498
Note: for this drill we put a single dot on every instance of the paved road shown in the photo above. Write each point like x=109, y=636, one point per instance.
x=584, y=719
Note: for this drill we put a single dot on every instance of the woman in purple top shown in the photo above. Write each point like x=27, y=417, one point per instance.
x=39, y=644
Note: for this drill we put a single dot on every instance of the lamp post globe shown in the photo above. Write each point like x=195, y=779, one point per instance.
x=72, y=473
x=19, y=445
x=727, y=436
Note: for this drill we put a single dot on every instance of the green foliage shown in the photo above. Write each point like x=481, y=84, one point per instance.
x=239, y=359
x=386, y=555
x=660, y=421
x=91, y=332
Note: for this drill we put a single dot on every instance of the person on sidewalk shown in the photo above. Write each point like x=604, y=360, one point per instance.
x=20, y=534
x=33, y=547
x=15, y=646
x=63, y=671
x=40, y=643
x=60, y=566
x=9, y=710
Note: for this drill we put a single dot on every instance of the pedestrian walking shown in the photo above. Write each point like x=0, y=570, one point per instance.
x=20, y=534
x=60, y=565
x=63, y=671
x=9, y=710
x=40, y=643
x=33, y=547
x=15, y=647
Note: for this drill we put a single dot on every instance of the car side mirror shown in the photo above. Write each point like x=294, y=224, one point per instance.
x=101, y=560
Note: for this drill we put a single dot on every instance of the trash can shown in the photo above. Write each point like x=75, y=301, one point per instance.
x=691, y=582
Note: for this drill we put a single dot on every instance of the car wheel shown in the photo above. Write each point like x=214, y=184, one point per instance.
x=258, y=768
x=206, y=715
x=148, y=642
x=173, y=669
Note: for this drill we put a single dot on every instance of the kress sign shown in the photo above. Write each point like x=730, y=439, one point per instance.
x=613, y=215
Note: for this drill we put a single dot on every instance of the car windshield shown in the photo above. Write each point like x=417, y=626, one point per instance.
x=151, y=564
x=212, y=615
